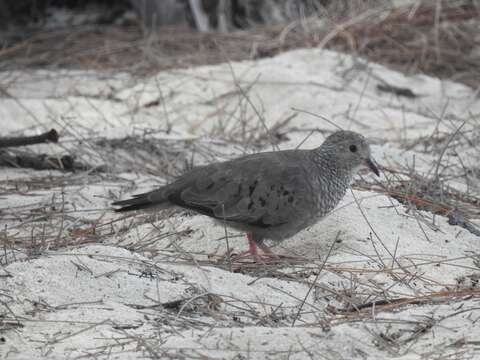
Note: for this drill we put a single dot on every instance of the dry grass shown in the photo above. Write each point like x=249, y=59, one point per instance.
x=431, y=37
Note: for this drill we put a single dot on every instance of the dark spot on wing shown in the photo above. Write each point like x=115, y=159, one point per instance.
x=239, y=190
x=252, y=187
x=263, y=202
x=286, y=192
x=210, y=185
x=290, y=199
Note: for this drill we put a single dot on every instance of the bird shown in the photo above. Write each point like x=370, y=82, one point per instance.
x=269, y=195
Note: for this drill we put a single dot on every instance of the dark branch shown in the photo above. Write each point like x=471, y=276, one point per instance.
x=50, y=136
x=43, y=162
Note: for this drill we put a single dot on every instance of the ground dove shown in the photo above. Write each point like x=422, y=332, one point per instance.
x=270, y=195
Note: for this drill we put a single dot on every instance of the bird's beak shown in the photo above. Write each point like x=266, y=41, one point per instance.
x=371, y=165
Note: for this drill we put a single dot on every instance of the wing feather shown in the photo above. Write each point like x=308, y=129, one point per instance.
x=250, y=192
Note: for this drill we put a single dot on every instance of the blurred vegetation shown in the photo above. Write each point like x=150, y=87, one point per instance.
x=438, y=38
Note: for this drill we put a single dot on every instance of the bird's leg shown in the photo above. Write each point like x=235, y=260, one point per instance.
x=252, y=248
x=252, y=245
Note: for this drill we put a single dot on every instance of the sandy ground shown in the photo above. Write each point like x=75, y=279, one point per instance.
x=79, y=281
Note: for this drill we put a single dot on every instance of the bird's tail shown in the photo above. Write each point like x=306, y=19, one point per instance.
x=139, y=202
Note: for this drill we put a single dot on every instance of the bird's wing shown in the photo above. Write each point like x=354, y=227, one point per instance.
x=255, y=190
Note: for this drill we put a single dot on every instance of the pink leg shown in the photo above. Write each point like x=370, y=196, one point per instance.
x=252, y=245
x=252, y=248
x=253, y=251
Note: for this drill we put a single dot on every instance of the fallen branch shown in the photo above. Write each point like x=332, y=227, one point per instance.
x=386, y=305
x=50, y=136
x=40, y=162
x=399, y=91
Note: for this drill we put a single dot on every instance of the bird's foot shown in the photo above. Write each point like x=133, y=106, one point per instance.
x=268, y=255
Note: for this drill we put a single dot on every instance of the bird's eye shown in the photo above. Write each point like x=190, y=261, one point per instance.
x=353, y=148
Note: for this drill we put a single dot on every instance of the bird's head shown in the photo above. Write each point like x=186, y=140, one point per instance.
x=350, y=151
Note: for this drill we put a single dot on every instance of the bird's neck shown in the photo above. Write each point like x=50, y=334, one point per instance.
x=331, y=177
x=329, y=165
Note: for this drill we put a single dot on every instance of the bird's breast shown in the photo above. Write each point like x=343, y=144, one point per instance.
x=329, y=192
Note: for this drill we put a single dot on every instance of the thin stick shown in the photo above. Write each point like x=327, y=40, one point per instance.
x=377, y=236
x=250, y=102
x=305, y=139
x=315, y=280
x=226, y=238
x=445, y=149
x=317, y=115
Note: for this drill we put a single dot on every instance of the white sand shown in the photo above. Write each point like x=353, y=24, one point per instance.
x=98, y=298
